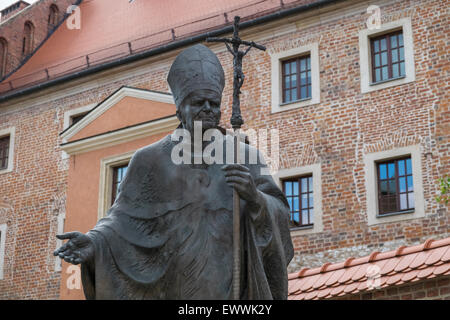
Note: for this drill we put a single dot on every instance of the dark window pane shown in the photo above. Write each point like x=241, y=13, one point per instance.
x=295, y=190
x=400, y=39
x=294, y=80
x=392, y=187
x=378, y=75
x=403, y=202
x=288, y=188
x=408, y=166
x=391, y=170
x=304, y=216
x=402, y=54
x=410, y=183
x=395, y=73
x=296, y=217
x=308, y=63
x=383, y=174
x=295, y=204
x=393, y=42
x=377, y=60
x=294, y=94
x=401, y=167
x=303, y=93
x=402, y=184
x=383, y=44
x=402, y=68
x=411, y=200
x=385, y=73
x=376, y=46
x=288, y=96
x=394, y=55
x=384, y=58
x=303, y=65
x=286, y=68
x=293, y=67
x=384, y=187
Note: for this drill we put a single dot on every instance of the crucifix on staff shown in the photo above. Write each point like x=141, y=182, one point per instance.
x=236, y=123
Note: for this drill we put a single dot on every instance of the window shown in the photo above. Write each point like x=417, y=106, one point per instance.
x=53, y=17
x=299, y=193
x=27, y=42
x=4, y=152
x=395, y=186
x=74, y=119
x=112, y=172
x=296, y=79
x=388, y=57
x=2, y=247
x=3, y=56
x=7, y=137
x=118, y=175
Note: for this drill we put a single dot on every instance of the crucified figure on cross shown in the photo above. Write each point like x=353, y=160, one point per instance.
x=238, y=74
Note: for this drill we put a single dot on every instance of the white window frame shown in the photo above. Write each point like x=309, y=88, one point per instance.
x=11, y=132
x=365, y=55
x=371, y=180
x=277, y=87
x=3, y=229
x=316, y=171
x=106, y=178
x=76, y=112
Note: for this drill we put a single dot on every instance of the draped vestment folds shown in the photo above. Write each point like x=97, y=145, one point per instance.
x=169, y=234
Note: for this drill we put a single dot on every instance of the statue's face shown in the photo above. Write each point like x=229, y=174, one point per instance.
x=201, y=105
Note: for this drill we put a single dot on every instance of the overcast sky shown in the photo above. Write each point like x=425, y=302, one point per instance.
x=7, y=3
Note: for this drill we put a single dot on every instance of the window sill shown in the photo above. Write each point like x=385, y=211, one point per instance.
x=302, y=228
x=385, y=81
x=395, y=213
x=8, y=170
x=295, y=101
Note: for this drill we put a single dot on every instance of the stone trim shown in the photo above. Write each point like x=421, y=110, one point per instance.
x=3, y=229
x=316, y=171
x=11, y=132
x=365, y=55
x=276, y=77
x=372, y=188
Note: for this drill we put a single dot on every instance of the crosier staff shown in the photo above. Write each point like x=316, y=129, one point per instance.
x=236, y=123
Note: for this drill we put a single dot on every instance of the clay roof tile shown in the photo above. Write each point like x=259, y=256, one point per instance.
x=435, y=255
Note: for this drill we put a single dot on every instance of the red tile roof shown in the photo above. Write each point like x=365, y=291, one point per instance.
x=377, y=270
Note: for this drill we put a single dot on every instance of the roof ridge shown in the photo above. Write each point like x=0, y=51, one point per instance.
x=372, y=257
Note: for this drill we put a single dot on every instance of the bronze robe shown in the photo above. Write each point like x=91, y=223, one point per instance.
x=169, y=235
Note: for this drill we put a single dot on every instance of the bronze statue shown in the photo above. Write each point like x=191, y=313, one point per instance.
x=169, y=233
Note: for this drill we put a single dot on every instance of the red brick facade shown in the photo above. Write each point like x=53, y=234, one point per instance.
x=337, y=133
x=422, y=290
x=12, y=28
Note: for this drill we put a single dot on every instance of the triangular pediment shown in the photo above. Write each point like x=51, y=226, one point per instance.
x=125, y=108
x=129, y=112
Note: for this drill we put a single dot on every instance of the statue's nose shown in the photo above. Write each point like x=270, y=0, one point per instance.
x=206, y=106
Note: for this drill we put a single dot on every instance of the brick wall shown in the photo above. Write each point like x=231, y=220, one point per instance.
x=12, y=11
x=434, y=289
x=12, y=29
x=337, y=133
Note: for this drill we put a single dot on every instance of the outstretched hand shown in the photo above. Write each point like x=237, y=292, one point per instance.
x=79, y=248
